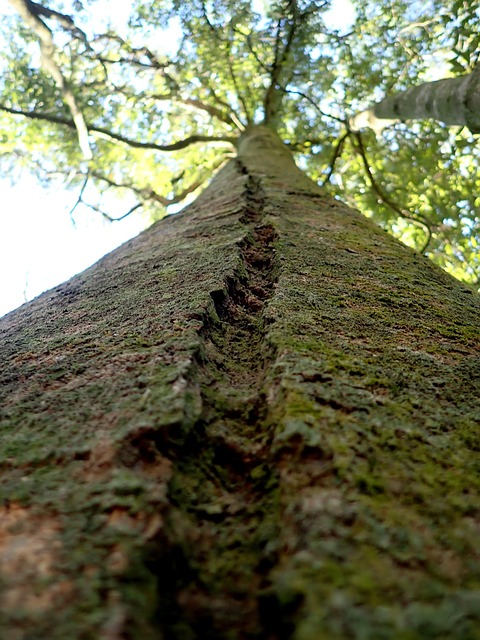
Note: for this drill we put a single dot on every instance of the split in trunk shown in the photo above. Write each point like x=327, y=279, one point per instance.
x=258, y=419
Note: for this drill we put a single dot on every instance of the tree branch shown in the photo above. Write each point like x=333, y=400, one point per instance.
x=336, y=154
x=80, y=197
x=273, y=98
x=136, y=144
x=174, y=94
x=195, y=103
x=80, y=200
x=237, y=90
x=26, y=10
x=65, y=21
x=313, y=103
x=233, y=115
x=211, y=110
x=148, y=193
x=283, y=88
x=109, y=217
x=155, y=63
x=404, y=213
x=227, y=42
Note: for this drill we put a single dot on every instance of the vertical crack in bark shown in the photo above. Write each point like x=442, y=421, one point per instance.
x=219, y=472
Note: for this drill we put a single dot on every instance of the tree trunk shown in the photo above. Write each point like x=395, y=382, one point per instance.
x=454, y=101
x=258, y=419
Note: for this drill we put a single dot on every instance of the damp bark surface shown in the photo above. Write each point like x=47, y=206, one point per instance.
x=258, y=419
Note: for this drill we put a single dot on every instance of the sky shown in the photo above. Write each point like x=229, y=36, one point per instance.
x=42, y=245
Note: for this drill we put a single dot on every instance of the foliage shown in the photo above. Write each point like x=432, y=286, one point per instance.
x=197, y=72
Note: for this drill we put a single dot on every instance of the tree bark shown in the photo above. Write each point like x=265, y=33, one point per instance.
x=258, y=419
x=454, y=101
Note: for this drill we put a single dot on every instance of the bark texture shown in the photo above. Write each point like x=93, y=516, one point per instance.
x=454, y=101
x=258, y=419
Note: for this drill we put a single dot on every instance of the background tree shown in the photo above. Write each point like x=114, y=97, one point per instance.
x=258, y=419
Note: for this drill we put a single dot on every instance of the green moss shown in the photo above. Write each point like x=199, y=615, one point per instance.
x=276, y=430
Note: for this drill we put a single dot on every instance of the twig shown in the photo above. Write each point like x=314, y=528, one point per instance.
x=211, y=110
x=109, y=217
x=227, y=42
x=80, y=200
x=29, y=14
x=336, y=154
x=272, y=100
x=25, y=288
x=283, y=87
x=175, y=146
x=404, y=213
x=80, y=196
x=324, y=114
x=148, y=193
x=155, y=63
x=65, y=21
x=241, y=100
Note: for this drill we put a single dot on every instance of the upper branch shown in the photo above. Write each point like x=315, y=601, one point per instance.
x=144, y=58
x=65, y=21
x=148, y=193
x=136, y=53
x=239, y=94
x=211, y=110
x=273, y=97
x=402, y=211
x=29, y=12
x=175, y=146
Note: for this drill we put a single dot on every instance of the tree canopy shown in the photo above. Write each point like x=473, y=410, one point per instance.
x=148, y=103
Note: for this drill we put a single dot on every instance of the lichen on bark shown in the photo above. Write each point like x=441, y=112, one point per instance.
x=258, y=419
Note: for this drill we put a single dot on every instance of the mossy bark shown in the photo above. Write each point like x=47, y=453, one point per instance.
x=258, y=419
